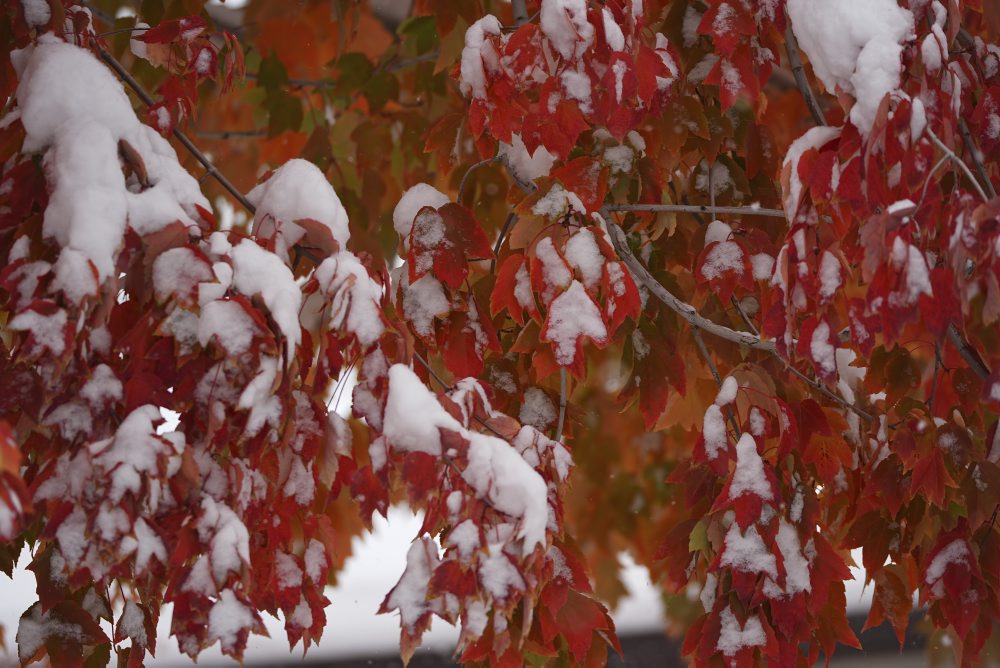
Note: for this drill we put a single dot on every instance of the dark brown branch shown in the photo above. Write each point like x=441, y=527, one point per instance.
x=799, y=71
x=560, y=425
x=520, y=11
x=472, y=168
x=970, y=146
x=703, y=349
x=230, y=134
x=968, y=353
x=698, y=208
x=181, y=137
x=507, y=224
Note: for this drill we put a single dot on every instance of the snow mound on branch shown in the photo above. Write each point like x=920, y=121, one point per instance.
x=74, y=109
x=298, y=190
x=854, y=45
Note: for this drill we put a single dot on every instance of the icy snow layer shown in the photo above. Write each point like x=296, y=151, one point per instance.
x=296, y=191
x=76, y=111
x=856, y=45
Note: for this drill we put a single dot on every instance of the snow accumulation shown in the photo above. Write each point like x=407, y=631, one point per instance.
x=256, y=271
x=573, y=315
x=812, y=138
x=724, y=257
x=496, y=471
x=537, y=409
x=423, y=301
x=565, y=24
x=410, y=595
x=227, y=618
x=955, y=552
x=727, y=393
x=558, y=202
x=355, y=303
x=733, y=637
x=526, y=166
x=75, y=111
x=748, y=477
x=854, y=45
x=585, y=256
x=478, y=56
x=746, y=552
x=714, y=432
x=410, y=204
x=297, y=190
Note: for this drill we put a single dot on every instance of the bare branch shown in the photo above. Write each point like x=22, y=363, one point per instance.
x=970, y=146
x=229, y=134
x=823, y=389
x=698, y=208
x=472, y=168
x=520, y=11
x=799, y=71
x=958, y=162
x=562, y=404
x=967, y=352
x=507, y=224
x=682, y=309
x=181, y=137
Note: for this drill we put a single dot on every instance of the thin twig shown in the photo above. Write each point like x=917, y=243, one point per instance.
x=823, y=389
x=958, y=162
x=799, y=72
x=703, y=349
x=229, y=134
x=682, y=309
x=562, y=404
x=451, y=388
x=472, y=168
x=698, y=208
x=181, y=137
x=507, y=224
x=970, y=146
x=967, y=352
x=934, y=380
x=520, y=11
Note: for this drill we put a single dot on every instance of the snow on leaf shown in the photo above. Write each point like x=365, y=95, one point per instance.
x=573, y=316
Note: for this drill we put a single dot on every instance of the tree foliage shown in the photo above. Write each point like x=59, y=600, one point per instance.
x=623, y=275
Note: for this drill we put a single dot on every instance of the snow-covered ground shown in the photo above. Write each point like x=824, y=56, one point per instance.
x=353, y=628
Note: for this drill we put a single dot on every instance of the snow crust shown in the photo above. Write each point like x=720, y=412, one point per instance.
x=478, y=56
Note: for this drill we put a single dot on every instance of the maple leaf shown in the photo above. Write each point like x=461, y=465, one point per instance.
x=443, y=240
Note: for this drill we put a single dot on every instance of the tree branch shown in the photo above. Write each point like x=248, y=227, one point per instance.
x=958, y=162
x=520, y=11
x=562, y=404
x=682, y=309
x=472, y=168
x=181, y=137
x=967, y=352
x=698, y=208
x=799, y=71
x=970, y=146
x=507, y=224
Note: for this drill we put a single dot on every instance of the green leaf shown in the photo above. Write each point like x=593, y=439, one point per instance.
x=380, y=89
x=698, y=540
x=355, y=70
x=285, y=113
x=420, y=33
x=271, y=74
